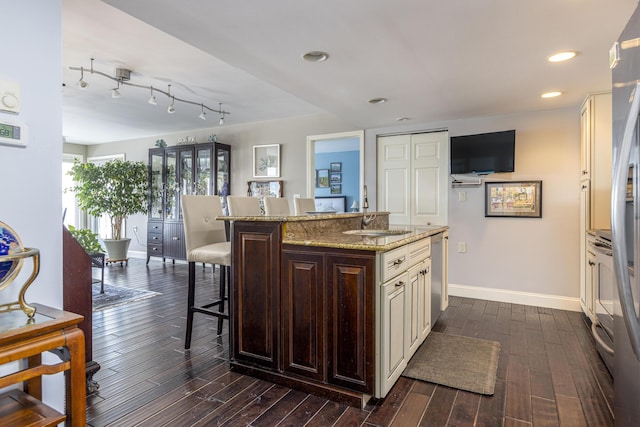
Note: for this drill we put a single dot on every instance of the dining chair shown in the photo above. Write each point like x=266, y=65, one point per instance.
x=303, y=205
x=276, y=206
x=244, y=206
x=206, y=242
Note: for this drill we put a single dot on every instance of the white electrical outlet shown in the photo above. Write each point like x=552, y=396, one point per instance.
x=462, y=247
x=462, y=196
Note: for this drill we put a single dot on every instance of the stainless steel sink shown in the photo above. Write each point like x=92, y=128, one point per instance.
x=377, y=233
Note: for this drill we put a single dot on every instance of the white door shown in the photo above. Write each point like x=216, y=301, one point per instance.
x=412, y=177
x=429, y=177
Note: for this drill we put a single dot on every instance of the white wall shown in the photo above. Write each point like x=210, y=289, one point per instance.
x=521, y=260
x=31, y=177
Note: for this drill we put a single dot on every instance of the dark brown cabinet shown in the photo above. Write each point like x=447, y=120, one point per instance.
x=173, y=171
x=303, y=317
x=256, y=293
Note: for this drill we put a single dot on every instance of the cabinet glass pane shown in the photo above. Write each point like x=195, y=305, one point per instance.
x=222, y=177
x=203, y=183
x=155, y=187
x=173, y=192
x=186, y=172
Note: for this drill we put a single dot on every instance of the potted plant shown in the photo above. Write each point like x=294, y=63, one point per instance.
x=117, y=188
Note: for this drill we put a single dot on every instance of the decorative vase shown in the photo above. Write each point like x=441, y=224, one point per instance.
x=117, y=249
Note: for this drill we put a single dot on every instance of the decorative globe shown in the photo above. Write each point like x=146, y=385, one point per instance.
x=9, y=244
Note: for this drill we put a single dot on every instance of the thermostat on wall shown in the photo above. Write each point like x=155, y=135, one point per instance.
x=13, y=133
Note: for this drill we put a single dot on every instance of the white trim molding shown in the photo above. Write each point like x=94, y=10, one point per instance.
x=515, y=297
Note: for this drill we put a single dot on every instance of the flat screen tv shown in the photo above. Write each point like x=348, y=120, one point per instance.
x=483, y=153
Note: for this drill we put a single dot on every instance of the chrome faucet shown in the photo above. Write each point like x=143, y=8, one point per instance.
x=365, y=205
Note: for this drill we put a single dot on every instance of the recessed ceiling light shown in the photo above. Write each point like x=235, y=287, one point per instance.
x=315, y=56
x=377, y=100
x=551, y=94
x=562, y=56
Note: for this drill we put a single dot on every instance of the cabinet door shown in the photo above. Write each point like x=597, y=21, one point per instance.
x=587, y=297
x=585, y=139
x=393, y=324
x=425, y=300
x=255, y=306
x=413, y=308
x=156, y=184
x=303, y=313
x=203, y=173
x=173, y=245
x=350, y=320
x=172, y=190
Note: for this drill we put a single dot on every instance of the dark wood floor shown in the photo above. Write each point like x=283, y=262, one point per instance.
x=548, y=375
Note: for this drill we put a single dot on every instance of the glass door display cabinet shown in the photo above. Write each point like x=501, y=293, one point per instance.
x=183, y=169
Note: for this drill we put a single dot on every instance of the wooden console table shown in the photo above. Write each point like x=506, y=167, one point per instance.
x=55, y=331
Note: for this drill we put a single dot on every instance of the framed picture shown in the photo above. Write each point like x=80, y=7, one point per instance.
x=336, y=188
x=264, y=188
x=335, y=167
x=322, y=178
x=336, y=203
x=335, y=177
x=266, y=161
x=522, y=199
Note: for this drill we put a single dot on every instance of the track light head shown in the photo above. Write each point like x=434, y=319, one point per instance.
x=152, y=100
x=221, y=122
x=203, y=115
x=171, y=109
x=115, y=93
x=81, y=83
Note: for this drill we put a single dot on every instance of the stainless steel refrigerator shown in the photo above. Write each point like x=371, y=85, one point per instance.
x=625, y=222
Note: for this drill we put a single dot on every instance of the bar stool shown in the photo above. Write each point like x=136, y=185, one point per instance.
x=303, y=205
x=244, y=206
x=276, y=206
x=206, y=242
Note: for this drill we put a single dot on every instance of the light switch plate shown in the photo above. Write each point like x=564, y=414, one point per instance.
x=9, y=96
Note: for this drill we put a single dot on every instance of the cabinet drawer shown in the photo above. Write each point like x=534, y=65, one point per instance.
x=154, y=250
x=393, y=263
x=154, y=238
x=154, y=227
x=418, y=251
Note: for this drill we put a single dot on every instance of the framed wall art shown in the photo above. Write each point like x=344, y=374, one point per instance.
x=521, y=199
x=336, y=188
x=322, y=178
x=266, y=161
x=264, y=188
x=335, y=167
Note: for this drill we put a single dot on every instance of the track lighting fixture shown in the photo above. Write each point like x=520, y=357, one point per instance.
x=123, y=76
x=152, y=100
x=115, y=93
x=81, y=83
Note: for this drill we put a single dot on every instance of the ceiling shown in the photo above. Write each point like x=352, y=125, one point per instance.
x=433, y=60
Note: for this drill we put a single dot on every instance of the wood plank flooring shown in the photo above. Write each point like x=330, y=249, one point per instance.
x=549, y=373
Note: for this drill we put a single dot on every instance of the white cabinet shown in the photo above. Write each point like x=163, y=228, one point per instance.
x=393, y=330
x=595, y=184
x=587, y=298
x=405, y=308
x=413, y=173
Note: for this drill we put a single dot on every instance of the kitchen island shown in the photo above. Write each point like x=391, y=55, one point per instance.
x=332, y=313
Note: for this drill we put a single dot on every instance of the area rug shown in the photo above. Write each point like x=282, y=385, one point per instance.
x=117, y=295
x=460, y=362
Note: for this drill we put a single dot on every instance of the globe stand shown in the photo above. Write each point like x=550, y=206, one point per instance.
x=20, y=256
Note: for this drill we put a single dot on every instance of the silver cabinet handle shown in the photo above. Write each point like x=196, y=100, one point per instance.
x=622, y=160
x=399, y=284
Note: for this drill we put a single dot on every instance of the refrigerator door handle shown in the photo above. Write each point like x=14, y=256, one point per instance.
x=618, y=195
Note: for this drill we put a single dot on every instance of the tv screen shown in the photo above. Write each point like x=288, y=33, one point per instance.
x=483, y=153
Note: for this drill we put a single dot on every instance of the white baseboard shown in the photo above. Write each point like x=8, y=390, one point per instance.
x=515, y=297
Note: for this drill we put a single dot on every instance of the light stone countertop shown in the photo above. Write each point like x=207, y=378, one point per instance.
x=327, y=230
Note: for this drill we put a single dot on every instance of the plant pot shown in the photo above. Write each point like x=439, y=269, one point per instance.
x=117, y=249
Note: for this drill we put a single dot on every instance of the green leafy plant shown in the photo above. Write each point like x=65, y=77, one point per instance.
x=117, y=188
x=87, y=239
